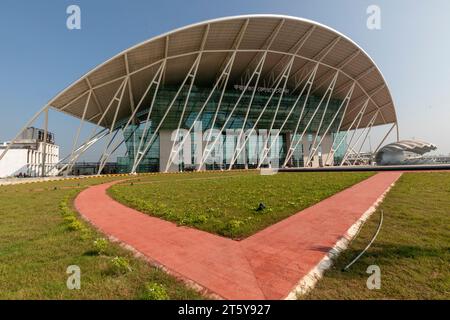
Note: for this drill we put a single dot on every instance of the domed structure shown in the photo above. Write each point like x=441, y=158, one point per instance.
x=403, y=152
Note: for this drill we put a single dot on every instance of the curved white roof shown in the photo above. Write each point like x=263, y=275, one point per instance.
x=281, y=36
x=414, y=146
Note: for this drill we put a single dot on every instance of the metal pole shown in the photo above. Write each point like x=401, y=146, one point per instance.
x=358, y=118
x=44, y=144
x=292, y=149
x=358, y=154
x=360, y=112
x=300, y=117
x=267, y=149
x=284, y=76
x=359, y=137
x=149, y=144
x=321, y=120
x=398, y=133
x=346, y=101
x=180, y=121
x=247, y=113
x=82, y=149
x=207, y=150
x=93, y=133
x=384, y=138
x=77, y=136
x=224, y=75
x=309, y=82
x=131, y=118
x=119, y=102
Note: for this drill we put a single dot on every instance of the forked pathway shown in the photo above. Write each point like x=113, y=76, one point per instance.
x=267, y=265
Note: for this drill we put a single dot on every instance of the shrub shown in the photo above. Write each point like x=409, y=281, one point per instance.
x=141, y=205
x=86, y=234
x=190, y=218
x=235, y=224
x=170, y=215
x=65, y=210
x=155, y=291
x=232, y=227
x=120, y=265
x=75, y=226
x=100, y=245
x=70, y=219
x=199, y=218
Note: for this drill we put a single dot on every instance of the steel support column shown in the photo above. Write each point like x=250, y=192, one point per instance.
x=190, y=76
x=292, y=148
x=346, y=101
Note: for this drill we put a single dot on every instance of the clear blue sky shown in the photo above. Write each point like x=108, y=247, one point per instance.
x=40, y=56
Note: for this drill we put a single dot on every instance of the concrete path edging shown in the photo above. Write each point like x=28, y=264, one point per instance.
x=309, y=281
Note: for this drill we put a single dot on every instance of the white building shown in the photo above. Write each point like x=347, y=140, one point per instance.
x=26, y=156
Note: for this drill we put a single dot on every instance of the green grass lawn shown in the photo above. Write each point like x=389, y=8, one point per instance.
x=412, y=248
x=226, y=203
x=38, y=239
x=37, y=245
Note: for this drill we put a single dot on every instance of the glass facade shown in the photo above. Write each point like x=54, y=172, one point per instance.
x=213, y=118
x=132, y=137
x=340, y=152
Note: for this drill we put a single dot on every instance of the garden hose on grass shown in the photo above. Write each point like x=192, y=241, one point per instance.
x=370, y=243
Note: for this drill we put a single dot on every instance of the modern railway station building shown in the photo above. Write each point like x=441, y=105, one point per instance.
x=238, y=92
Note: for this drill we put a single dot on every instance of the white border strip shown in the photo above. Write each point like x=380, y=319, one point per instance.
x=309, y=281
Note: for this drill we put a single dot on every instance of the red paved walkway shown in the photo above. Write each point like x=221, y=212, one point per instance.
x=267, y=265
